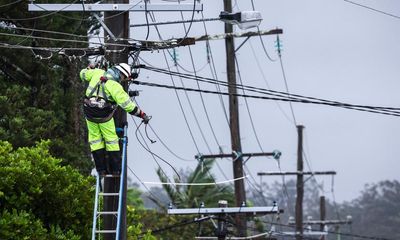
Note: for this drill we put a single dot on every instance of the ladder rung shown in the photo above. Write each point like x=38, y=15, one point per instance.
x=108, y=194
x=106, y=213
x=106, y=231
x=111, y=175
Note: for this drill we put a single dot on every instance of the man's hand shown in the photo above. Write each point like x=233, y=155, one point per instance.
x=146, y=119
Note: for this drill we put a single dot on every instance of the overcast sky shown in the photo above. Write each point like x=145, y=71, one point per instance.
x=331, y=49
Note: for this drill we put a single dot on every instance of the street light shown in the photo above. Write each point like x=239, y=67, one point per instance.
x=244, y=19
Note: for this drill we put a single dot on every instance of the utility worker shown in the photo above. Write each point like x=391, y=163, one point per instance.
x=103, y=95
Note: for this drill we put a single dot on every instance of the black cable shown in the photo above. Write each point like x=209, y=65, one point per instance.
x=147, y=19
x=286, y=83
x=247, y=106
x=353, y=107
x=201, y=95
x=144, y=185
x=38, y=17
x=154, y=154
x=373, y=9
x=265, y=79
x=269, y=92
x=261, y=40
x=191, y=23
x=213, y=71
x=12, y=3
x=177, y=96
x=336, y=233
x=166, y=146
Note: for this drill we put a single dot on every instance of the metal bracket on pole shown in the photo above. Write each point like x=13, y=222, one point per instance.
x=105, y=26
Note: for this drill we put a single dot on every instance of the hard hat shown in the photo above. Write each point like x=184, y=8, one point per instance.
x=124, y=69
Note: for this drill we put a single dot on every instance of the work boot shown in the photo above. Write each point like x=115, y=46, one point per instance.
x=115, y=162
x=99, y=157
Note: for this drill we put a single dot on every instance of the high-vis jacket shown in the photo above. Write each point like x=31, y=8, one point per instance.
x=103, y=94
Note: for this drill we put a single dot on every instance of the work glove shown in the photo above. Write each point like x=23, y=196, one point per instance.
x=146, y=119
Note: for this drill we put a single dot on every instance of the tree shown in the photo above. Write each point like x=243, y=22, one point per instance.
x=40, y=91
x=40, y=198
x=376, y=211
x=188, y=196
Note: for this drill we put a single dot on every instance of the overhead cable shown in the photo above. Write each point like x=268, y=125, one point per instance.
x=373, y=9
x=274, y=92
x=284, y=99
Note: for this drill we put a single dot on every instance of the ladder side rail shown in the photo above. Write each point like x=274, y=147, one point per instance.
x=96, y=200
x=122, y=180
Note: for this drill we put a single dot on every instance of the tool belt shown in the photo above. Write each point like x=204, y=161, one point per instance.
x=98, y=110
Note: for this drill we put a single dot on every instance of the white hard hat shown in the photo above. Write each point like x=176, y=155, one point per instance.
x=124, y=69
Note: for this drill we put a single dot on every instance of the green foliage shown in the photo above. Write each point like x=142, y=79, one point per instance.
x=41, y=98
x=192, y=195
x=133, y=198
x=135, y=225
x=34, y=183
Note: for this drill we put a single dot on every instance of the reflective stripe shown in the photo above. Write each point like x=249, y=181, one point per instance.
x=125, y=104
x=112, y=142
x=90, y=88
x=96, y=141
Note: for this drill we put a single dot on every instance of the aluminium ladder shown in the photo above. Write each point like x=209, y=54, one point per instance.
x=97, y=214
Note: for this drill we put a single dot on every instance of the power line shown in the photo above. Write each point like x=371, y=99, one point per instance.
x=38, y=17
x=12, y=3
x=196, y=184
x=284, y=99
x=282, y=95
x=336, y=233
x=373, y=9
x=147, y=148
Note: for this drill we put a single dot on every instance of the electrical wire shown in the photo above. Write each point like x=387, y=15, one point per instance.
x=63, y=40
x=286, y=83
x=166, y=146
x=265, y=79
x=261, y=40
x=214, y=72
x=336, y=233
x=145, y=186
x=147, y=19
x=154, y=154
x=177, y=95
x=247, y=106
x=201, y=96
x=197, y=184
x=294, y=97
x=373, y=9
x=191, y=23
x=38, y=17
x=353, y=107
x=169, y=149
x=11, y=3
x=190, y=105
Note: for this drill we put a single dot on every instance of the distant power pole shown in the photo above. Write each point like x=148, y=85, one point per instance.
x=240, y=194
x=299, y=185
x=322, y=210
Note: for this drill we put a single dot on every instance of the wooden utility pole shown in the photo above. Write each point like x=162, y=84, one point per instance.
x=118, y=24
x=240, y=194
x=322, y=210
x=299, y=185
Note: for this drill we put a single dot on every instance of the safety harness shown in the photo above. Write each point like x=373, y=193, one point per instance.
x=96, y=108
